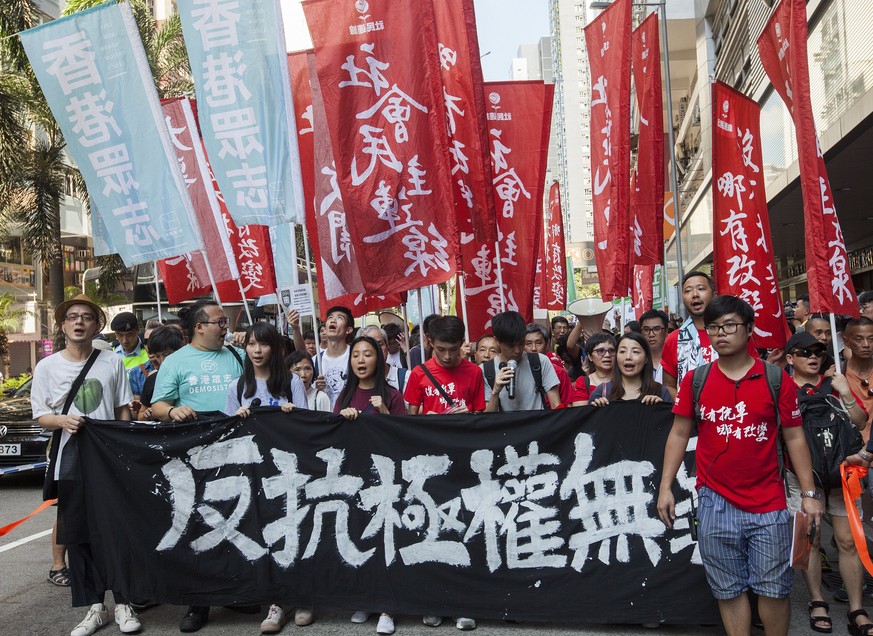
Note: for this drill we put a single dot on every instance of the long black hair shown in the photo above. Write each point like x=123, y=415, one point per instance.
x=351, y=386
x=648, y=385
x=278, y=382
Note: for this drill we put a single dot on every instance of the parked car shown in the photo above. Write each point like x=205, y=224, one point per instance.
x=22, y=440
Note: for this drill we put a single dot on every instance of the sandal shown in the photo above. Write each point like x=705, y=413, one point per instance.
x=855, y=629
x=61, y=577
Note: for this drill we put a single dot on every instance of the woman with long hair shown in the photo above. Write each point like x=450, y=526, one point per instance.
x=366, y=390
x=265, y=377
x=633, y=376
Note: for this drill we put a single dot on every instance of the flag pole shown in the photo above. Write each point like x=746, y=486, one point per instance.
x=309, y=272
x=463, y=307
x=837, y=365
x=211, y=278
x=158, y=292
x=500, y=276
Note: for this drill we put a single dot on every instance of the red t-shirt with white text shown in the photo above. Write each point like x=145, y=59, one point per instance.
x=737, y=433
x=670, y=353
x=464, y=383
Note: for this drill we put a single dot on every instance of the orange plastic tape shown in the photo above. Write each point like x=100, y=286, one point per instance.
x=852, y=489
x=6, y=529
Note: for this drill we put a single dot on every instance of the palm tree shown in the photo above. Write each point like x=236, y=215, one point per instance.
x=10, y=319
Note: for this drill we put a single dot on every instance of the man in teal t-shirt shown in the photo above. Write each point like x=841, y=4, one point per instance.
x=195, y=378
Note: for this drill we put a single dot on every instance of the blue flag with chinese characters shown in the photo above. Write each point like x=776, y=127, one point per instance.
x=93, y=70
x=240, y=67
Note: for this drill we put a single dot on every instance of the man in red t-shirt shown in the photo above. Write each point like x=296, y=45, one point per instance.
x=459, y=379
x=744, y=530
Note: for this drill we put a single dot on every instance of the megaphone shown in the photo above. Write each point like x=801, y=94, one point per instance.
x=591, y=312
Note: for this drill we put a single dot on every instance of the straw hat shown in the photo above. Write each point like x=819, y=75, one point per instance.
x=81, y=299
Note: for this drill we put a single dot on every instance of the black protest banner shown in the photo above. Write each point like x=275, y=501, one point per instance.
x=533, y=516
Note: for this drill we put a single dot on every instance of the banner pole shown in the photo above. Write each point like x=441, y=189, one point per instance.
x=500, y=276
x=623, y=317
x=158, y=292
x=837, y=365
x=245, y=302
x=309, y=272
x=463, y=308
x=211, y=277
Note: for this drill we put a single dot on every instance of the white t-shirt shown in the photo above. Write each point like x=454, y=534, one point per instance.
x=526, y=396
x=394, y=359
x=317, y=400
x=335, y=371
x=105, y=388
x=298, y=395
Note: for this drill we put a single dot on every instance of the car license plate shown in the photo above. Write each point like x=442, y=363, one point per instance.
x=10, y=449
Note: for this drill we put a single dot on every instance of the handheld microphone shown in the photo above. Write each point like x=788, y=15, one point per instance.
x=510, y=388
x=255, y=403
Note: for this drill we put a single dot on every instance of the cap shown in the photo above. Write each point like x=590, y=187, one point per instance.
x=81, y=299
x=125, y=321
x=802, y=340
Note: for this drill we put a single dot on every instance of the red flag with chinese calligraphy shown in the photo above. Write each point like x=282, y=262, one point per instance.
x=642, y=293
x=461, y=72
x=742, y=245
x=519, y=120
x=647, y=189
x=377, y=65
x=339, y=280
x=254, y=256
x=298, y=66
x=782, y=47
x=186, y=276
x=556, y=254
x=608, y=40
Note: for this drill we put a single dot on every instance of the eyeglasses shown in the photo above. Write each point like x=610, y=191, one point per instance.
x=84, y=317
x=808, y=353
x=727, y=328
x=221, y=322
x=603, y=352
x=651, y=330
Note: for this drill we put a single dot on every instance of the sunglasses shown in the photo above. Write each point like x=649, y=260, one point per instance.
x=809, y=353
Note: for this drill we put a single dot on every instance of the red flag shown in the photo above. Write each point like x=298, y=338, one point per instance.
x=461, y=72
x=642, y=291
x=782, y=47
x=186, y=276
x=298, y=66
x=647, y=190
x=742, y=243
x=556, y=254
x=519, y=118
x=608, y=40
x=378, y=68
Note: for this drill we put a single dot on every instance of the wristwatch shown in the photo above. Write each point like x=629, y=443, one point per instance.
x=863, y=454
x=812, y=494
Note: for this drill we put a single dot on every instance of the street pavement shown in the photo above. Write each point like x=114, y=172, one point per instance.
x=30, y=605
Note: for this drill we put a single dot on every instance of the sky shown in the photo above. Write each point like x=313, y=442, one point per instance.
x=502, y=24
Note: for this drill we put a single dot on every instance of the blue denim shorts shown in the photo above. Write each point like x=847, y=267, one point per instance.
x=743, y=550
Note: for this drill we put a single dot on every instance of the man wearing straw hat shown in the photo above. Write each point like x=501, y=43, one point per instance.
x=68, y=386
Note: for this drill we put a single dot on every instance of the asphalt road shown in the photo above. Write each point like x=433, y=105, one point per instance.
x=29, y=605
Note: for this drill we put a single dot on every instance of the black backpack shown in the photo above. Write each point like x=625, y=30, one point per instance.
x=489, y=370
x=829, y=432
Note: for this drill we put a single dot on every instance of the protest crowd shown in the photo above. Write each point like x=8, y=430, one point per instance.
x=405, y=171
x=742, y=509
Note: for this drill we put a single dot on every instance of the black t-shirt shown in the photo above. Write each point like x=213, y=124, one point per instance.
x=148, y=389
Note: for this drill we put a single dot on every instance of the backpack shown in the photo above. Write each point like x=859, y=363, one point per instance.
x=829, y=432
x=773, y=375
x=490, y=372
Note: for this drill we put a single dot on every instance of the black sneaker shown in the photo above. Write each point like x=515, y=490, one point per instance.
x=195, y=619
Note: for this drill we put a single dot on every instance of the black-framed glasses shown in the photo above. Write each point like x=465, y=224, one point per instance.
x=728, y=328
x=84, y=317
x=221, y=322
x=651, y=330
x=603, y=352
x=809, y=353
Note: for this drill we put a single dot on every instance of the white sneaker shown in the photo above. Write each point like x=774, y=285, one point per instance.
x=275, y=620
x=385, y=625
x=360, y=617
x=303, y=616
x=128, y=621
x=96, y=618
x=465, y=624
x=432, y=621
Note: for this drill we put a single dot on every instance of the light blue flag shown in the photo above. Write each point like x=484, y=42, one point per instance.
x=103, y=245
x=240, y=67
x=92, y=68
x=284, y=257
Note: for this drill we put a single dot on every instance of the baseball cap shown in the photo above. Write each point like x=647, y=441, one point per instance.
x=802, y=340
